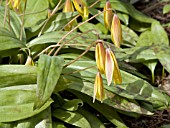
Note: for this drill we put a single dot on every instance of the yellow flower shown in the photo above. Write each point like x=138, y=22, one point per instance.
x=15, y=3
x=82, y=8
x=108, y=14
x=68, y=7
x=29, y=61
x=100, y=57
x=111, y=68
x=98, y=88
x=116, y=31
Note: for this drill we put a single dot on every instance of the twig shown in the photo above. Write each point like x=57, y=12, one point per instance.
x=73, y=30
x=54, y=11
x=81, y=54
x=79, y=70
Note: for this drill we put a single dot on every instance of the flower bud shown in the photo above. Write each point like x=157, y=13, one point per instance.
x=98, y=88
x=29, y=61
x=111, y=68
x=108, y=15
x=100, y=57
x=116, y=31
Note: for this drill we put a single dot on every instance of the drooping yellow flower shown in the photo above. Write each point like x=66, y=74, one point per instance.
x=111, y=68
x=68, y=7
x=116, y=31
x=100, y=57
x=15, y=3
x=108, y=15
x=82, y=8
x=98, y=88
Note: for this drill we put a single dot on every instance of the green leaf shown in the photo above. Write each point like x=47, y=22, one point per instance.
x=105, y=110
x=58, y=124
x=124, y=17
x=41, y=120
x=15, y=24
x=92, y=119
x=11, y=75
x=49, y=70
x=166, y=8
x=73, y=118
x=163, y=53
x=159, y=34
x=9, y=43
x=39, y=8
x=58, y=21
x=145, y=39
x=72, y=105
x=129, y=36
x=89, y=26
x=151, y=64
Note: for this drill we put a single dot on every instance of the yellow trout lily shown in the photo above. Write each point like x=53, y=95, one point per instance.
x=108, y=15
x=98, y=88
x=82, y=8
x=100, y=57
x=111, y=68
x=68, y=7
x=116, y=31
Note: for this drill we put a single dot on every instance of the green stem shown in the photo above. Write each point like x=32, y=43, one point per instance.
x=153, y=77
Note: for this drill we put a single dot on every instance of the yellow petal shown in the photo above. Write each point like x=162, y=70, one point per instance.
x=117, y=78
x=116, y=31
x=29, y=61
x=108, y=15
x=98, y=88
x=100, y=57
x=109, y=66
x=82, y=8
x=68, y=6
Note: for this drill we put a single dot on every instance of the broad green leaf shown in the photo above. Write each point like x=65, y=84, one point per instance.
x=105, y=110
x=49, y=70
x=15, y=24
x=59, y=20
x=54, y=37
x=163, y=53
x=72, y=105
x=89, y=26
x=139, y=54
x=39, y=8
x=21, y=109
x=102, y=28
x=73, y=118
x=166, y=8
x=145, y=39
x=159, y=34
x=9, y=43
x=139, y=26
x=129, y=36
x=92, y=119
x=41, y=120
x=124, y=17
x=11, y=75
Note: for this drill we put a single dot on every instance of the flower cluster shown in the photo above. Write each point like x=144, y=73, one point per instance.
x=107, y=64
